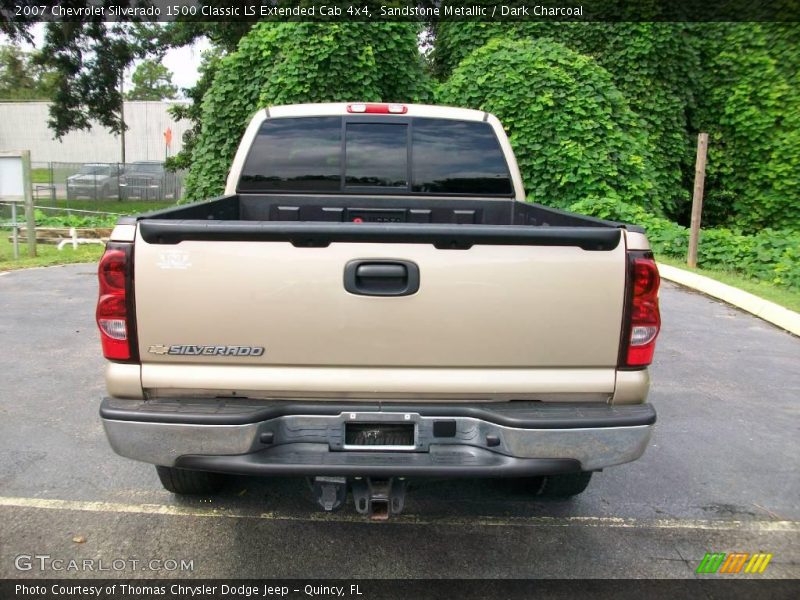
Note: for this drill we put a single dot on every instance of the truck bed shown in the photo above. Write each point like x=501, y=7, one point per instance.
x=316, y=221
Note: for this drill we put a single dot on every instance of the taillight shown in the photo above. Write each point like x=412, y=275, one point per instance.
x=378, y=109
x=114, y=306
x=643, y=318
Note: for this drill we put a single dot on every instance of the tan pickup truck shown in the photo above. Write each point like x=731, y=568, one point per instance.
x=373, y=300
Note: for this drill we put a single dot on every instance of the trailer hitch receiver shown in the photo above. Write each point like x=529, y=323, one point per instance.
x=379, y=498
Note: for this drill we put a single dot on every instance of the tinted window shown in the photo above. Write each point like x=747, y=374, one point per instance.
x=377, y=155
x=458, y=157
x=295, y=154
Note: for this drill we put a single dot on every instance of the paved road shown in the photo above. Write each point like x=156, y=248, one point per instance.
x=721, y=472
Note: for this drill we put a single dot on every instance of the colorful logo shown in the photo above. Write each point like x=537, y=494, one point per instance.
x=729, y=564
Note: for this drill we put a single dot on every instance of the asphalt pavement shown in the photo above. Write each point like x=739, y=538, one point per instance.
x=721, y=473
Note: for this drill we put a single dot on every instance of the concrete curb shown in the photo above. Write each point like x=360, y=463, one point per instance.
x=764, y=309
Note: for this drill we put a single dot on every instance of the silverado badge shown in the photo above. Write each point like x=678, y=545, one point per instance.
x=188, y=350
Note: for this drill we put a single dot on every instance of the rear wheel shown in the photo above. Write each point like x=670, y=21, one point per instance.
x=184, y=481
x=564, y=485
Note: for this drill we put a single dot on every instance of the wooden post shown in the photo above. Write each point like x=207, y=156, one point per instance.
x=697, y=198
x=30, y=222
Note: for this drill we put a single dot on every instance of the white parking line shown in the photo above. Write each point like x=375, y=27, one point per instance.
x=612, y=522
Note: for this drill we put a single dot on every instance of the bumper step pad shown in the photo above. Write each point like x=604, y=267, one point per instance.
x=318, y=459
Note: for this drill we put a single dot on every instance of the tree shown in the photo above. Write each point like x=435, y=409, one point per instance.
x=152, y=81
x=88, y=59
x=22, y=78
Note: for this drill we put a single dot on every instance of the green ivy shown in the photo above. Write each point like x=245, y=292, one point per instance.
x=652, y=64
x=572, y=131
x=285, y=63
x=750, y=105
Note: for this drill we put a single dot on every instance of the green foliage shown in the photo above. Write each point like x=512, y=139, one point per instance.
x=738, y=81
x=770, y=255
x=44, y=219
x=750, y=106
x=22, y=78
x=572, y=131
x=283, y=63
x=152, y=81
x=650, y=63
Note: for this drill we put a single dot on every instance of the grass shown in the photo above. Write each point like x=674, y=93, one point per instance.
x=40, y=175
x=779, y=295
x=46, y=254
x=60, y=174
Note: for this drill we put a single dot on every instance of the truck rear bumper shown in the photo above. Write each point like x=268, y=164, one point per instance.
x=253, y=437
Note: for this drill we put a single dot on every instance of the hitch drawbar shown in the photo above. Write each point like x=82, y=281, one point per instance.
x=374, y=498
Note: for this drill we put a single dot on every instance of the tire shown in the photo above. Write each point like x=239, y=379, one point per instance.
x=192, y=483
x=70, y=195
x=565, y=485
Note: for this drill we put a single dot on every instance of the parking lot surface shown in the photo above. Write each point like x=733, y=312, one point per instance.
x=720, y=475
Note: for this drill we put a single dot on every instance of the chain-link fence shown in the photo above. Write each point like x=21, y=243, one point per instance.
x=77, y=204
x=141, y=181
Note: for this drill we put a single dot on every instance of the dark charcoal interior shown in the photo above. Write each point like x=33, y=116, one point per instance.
x=368, y=209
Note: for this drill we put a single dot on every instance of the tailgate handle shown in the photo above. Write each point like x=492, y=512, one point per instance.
x=366, y=277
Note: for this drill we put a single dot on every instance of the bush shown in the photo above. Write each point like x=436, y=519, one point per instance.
x=769, y=255
x=74, y=220
x=573, y=133
x=284, y=63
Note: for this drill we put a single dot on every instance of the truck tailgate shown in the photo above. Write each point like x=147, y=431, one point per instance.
x=488, y=307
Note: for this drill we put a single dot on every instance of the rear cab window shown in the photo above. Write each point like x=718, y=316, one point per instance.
x=414, y=156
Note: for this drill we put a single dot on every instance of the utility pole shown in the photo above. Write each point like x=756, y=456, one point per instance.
x=697, y=199
x=30, y=221
x=122, y=113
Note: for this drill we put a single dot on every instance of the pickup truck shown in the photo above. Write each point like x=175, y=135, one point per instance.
x=147, y=180
x=96, y=181
x=373, y=300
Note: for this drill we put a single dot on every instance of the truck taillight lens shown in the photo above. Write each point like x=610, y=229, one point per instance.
x=114, y=314
x=643, y=315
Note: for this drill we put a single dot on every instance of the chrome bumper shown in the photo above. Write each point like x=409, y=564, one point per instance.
x=314, y=443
